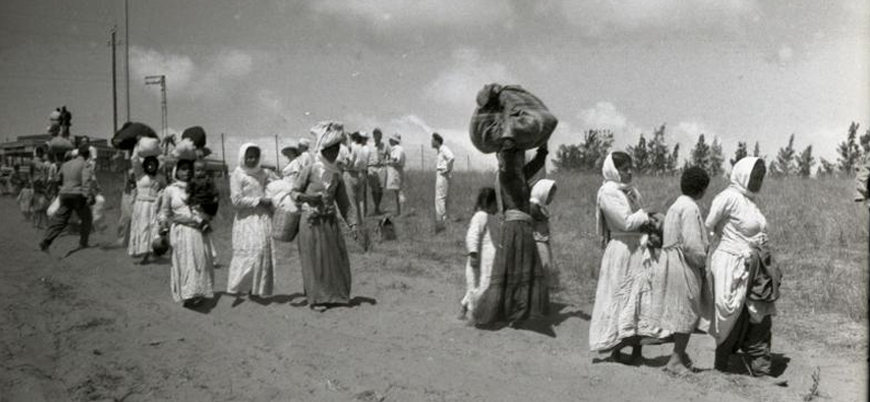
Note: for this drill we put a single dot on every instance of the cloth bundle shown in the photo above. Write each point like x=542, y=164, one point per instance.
x=127, y=137
x=59, y=145
x=510, y=112
x=149, y=146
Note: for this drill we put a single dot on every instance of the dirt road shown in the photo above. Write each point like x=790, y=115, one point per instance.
x=94, y=326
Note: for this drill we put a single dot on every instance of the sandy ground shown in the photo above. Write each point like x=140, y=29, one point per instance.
x=94, y=326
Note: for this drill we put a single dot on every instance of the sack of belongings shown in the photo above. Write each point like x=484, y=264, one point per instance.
x=510, y=112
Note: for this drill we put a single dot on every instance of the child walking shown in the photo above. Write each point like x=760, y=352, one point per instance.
x=543, y=192
x=25, y=200
x=481, y=249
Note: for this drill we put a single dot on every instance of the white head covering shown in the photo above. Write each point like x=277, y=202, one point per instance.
x=328, y=133
x=244, y=149
x=612, y=178
x=741, y=173
x=541, y=194
x=609, y=171
x=541, y=191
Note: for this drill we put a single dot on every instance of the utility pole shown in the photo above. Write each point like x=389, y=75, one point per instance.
x=277, y=158
x=114, y=83
x=127, y=55
x=160, y=80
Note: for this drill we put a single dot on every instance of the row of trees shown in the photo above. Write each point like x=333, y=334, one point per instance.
x=656, y=157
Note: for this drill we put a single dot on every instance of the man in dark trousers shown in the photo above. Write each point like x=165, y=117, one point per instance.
x=76, y=194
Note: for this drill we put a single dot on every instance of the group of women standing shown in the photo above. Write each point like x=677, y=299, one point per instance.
x=654, y=293
x=168, y=211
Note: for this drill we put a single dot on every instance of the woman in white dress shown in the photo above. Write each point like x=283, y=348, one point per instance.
x=192, y=273
x=143, y=221
x=741, y=320
x=621, y=220
x=251, y=270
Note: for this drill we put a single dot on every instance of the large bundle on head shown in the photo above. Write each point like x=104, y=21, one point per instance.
x=59, y=145
x=196, y=135
x=510, y=112
x=149, y=147
x=127, y=137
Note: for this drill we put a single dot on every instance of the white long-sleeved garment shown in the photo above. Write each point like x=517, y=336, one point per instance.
x=478, y=240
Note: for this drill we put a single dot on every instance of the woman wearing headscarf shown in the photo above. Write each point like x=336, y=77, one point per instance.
x=192, y=273
x=741, y=320
x=543, y=192
x=322, y=251
x=251, y=270
x=620, y=221
x=675, y=297
x=143, y=220
x=518, y=286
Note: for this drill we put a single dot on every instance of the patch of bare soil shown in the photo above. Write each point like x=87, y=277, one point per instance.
x=93, y=326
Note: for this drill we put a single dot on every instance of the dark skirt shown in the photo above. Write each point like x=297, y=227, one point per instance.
x=325, y=264
x=518, y=289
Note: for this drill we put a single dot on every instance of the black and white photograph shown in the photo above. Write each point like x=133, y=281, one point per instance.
x=434, y=200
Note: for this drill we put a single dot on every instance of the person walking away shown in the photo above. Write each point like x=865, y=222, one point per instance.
x=543, y=192
x=76, y=194
x=742, y=316
x=377, y=173
x=143, y=220
x=319, y=189
x=396, y=171
x=443, y=173
x=677, y=302
x=480, y=244
x=251, y=269
x=192, y=272
x=620, y=222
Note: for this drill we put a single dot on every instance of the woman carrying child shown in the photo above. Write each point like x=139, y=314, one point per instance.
x=192, y=274
x=481, y=249
x=251, y=268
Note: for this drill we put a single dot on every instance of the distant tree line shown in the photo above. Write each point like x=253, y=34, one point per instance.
x=656, y=157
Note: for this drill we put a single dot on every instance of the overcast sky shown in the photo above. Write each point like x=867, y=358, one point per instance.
x=739, y=70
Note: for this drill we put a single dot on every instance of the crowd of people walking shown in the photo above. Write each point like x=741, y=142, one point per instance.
x=658, y=280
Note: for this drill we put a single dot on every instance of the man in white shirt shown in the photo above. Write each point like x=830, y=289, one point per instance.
x=355, y=166
x=443, y=171
x=379, y=154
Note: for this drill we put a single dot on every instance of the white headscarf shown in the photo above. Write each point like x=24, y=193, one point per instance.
x=244, y=149
x=541, y=194
x=612, y=178
x=328, y=133
x=741, y=173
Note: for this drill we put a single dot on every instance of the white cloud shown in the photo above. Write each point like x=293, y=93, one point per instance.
x=184, y=77
x=419, y=14
x=604, y=116
x=608, y=17
x=785, y=55
x=178, y=69
x=468, y=72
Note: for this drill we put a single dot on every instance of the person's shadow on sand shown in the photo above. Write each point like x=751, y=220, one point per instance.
x=559, y=313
